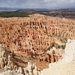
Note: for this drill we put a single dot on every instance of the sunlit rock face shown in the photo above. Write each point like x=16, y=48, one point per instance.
x=33, y=36
x=8, y=67
x=40, y=30
x=69, y=50
x=65, y=66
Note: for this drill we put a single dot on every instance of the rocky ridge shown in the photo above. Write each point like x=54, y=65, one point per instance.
x=66, y=66
x=19, y=34
x=8, y=67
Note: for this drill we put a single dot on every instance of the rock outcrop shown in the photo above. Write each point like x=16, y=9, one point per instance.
x=8, y=67
x=52, y=55
x=66, y=66
x=34, y=37
x=36, y=32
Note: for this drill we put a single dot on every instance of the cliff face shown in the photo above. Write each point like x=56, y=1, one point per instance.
x=65, y=66
x=34, y=39
x=70, y=51
x=37, y=32
x=9, y=67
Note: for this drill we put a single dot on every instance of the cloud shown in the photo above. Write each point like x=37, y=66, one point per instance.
x=72, y=1
x=51, y=4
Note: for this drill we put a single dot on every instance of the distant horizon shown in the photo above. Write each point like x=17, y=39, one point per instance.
x=12, y=8
x=41, y=4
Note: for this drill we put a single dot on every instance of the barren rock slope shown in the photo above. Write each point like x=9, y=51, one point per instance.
x=66, y=66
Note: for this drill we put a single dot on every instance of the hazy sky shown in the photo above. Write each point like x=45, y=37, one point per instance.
x=50, y=4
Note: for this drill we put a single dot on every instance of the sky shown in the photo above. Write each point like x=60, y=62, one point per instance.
x=48, y=4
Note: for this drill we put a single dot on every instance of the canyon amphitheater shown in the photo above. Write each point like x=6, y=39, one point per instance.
x=65, y=66
x=19, y=35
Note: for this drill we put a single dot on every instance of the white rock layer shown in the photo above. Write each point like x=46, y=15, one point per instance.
x=66, y=66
